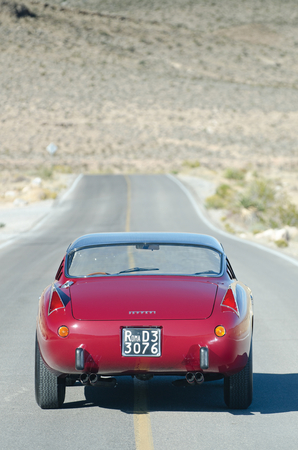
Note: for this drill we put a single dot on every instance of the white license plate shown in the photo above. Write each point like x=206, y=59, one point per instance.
x=141, y=342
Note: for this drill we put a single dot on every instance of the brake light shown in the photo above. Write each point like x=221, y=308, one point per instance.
x=230, y=302
x=55, y=302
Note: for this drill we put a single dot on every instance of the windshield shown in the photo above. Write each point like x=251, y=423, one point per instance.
x=140, y=259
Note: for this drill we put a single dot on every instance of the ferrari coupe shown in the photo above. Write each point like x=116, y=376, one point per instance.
x=144, y=305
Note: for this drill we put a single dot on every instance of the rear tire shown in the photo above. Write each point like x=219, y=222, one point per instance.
x=238, y=388
x=49, y=389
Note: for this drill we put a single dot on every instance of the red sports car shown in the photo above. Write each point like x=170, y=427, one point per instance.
x=144, y=304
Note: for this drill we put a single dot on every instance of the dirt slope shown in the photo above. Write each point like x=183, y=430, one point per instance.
x=126, y=85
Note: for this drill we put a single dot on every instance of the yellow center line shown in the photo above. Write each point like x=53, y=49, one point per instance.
x=141, y=416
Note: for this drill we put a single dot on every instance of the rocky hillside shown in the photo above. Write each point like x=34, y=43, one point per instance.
x=125, y=85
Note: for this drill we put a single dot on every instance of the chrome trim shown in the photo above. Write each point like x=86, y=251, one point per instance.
x=235, y=298
x=67, y=284
x=204, y=358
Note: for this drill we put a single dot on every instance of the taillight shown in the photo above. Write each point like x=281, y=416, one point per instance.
x=55, y=302
x=230, y=302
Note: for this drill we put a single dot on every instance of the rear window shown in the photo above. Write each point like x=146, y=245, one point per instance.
x=140, y=259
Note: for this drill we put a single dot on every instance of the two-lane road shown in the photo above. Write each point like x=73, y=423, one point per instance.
x=152, y=414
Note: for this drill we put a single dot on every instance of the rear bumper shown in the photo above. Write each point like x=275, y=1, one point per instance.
x=181, y=344
x=82, y=356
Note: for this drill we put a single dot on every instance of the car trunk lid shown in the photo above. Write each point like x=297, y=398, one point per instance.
x=141, y=297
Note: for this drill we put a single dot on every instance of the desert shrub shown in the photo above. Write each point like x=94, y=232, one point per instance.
x=234, y=174
x=214, y=202
x=45, y=173
x=273, y=222
x=260, y=195
x=268, y=207
x=287, y=215
x=229, y=229
x=63, y=169
x=281, y=243
x=222, y=198
x=191, y=164
x=223, y=190
x=48, y=194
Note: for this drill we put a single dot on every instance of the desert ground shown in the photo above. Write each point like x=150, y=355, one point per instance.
x=193, y=88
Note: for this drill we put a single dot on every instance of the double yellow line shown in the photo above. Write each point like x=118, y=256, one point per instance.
x=141, y=416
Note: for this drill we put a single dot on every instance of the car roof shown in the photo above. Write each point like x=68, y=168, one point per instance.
x=95, y=239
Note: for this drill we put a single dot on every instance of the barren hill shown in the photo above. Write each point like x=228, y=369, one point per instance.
x=125, y=85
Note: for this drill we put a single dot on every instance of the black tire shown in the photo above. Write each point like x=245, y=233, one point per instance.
x=238, y=388
x=49, y=389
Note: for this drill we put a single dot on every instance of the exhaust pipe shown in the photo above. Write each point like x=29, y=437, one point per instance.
x=199, y=377
x=97, y=380
x=84, y=378
x=190, y=377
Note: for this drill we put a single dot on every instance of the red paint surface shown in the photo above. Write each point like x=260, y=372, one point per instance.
x=167, y=298
x=187, y=311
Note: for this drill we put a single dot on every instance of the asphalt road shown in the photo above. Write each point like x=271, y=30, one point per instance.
x=154, y=414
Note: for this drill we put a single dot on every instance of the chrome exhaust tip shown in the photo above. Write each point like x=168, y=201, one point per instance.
x=199, y=377
x=97, y=380
x=190, y=377
x=84, y=378
x=93, y=379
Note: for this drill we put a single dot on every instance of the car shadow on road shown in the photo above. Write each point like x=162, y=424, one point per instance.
x=273, y=393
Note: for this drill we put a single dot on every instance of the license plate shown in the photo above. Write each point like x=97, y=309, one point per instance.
x=141, y=342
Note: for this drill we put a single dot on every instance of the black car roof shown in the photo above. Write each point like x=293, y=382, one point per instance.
x=90, y=240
